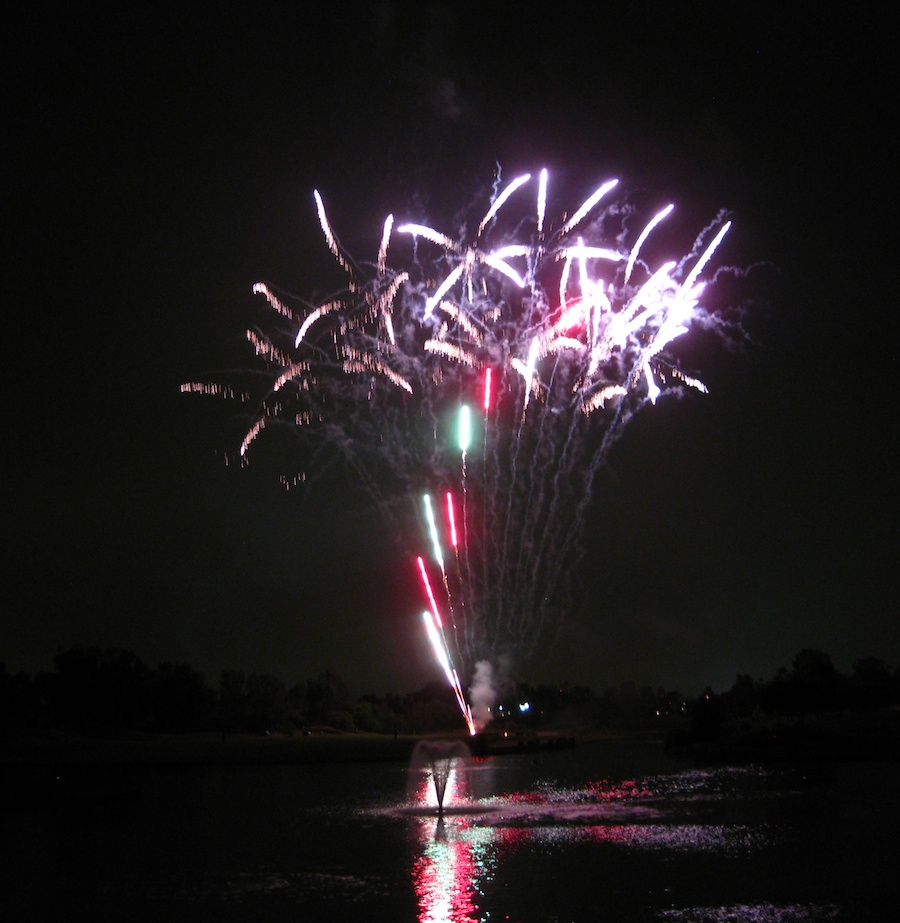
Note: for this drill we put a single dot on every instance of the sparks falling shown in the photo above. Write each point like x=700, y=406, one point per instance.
x=560, y=336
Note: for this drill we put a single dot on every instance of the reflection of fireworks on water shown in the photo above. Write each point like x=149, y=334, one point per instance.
x=535, y=353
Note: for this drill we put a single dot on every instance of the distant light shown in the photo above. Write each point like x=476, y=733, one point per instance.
x=524, y=706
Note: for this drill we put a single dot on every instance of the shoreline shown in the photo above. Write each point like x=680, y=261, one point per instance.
x=28, y=747
x=867, y=738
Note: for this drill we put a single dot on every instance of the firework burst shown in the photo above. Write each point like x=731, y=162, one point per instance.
x=538, y=349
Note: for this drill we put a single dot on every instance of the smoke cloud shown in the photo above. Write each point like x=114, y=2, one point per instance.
x=483, y=694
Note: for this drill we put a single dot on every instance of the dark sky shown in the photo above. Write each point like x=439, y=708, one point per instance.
x=156, y=165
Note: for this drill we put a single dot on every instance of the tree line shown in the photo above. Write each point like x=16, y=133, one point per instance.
x=92, y=689
x=812, y=686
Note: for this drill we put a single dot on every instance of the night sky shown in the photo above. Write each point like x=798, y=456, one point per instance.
x=156, y=165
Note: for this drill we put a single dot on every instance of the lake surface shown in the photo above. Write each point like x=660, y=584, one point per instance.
x=614, y=831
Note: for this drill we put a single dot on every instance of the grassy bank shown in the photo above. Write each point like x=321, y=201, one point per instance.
x=54, y=747
x=51, y=747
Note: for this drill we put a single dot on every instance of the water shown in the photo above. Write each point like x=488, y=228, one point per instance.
x=612, y=832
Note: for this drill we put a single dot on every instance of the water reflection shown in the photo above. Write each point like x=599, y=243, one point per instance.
x=456, y=853
x=447, y=873
x=459, y=854
x=764, y=912
x=614, y=832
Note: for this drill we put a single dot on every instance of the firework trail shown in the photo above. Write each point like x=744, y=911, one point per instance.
x=556, y=337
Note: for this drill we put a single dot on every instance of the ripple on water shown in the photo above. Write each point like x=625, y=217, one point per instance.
x=754, y=913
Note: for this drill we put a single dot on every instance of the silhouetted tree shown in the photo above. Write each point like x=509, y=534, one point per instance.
x=295, y=704
x=180, y=699
x=375, y=715
x=870, y=685
x=815, y=682
x=775, y=696
x=432, y=708
x=630, y=705
x=101, y=689
x=266, y=703
x=743, y=699
x=232, y=700
x=328, y=700
x=707, y=716
x=13, y=696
